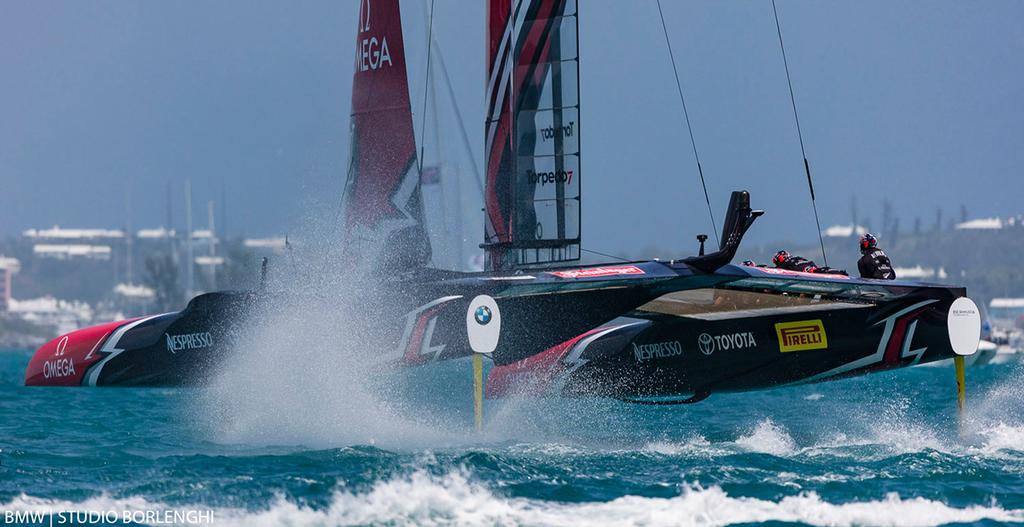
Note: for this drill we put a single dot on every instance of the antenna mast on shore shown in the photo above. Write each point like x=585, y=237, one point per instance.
x=189, y=257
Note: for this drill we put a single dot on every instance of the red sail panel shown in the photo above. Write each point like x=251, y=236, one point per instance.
x=383, y=215
x=498, y=130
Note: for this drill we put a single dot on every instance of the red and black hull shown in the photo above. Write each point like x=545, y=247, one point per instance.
x=649, y=331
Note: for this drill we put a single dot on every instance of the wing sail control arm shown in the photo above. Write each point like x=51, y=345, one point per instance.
x=738, y=220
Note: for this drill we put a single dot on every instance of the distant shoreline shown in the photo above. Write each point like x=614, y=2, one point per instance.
x=10, y=343
x=20, y=334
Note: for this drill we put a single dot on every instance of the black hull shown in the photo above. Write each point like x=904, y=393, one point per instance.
x=671, y=358
x=649, y=332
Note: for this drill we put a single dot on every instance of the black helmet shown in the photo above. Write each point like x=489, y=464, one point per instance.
x=868, y=242
x=780, y=257
x=749, y=263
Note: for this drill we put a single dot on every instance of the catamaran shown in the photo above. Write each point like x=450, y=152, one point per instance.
x=659, y=332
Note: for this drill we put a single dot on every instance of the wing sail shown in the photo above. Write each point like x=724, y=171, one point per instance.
x=383, y=217
x=533, y=129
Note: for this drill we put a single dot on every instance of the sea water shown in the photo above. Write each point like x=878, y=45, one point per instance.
x=878, y=450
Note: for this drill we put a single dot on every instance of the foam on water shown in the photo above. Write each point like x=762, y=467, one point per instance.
x=768, y=438
x=453, y=498
x=909, y=437
x=547, y=449
x=992, y=428
x=694, y=446
x=593, y=461
x=300, y=381
x=311, y=370
x=1002, y=439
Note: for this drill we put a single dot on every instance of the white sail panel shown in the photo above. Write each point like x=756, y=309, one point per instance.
x=539, y=135
x=550, y=179
x=555, y=220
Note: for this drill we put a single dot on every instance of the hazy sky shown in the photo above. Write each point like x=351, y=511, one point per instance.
x=917, y=102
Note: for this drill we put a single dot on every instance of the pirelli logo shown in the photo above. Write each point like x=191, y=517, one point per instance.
x=801, y=336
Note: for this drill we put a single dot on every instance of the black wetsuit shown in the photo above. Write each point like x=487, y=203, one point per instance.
x=799, y=263
x=876, y=264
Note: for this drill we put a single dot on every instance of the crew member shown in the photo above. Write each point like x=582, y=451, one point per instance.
x=784, y=260
x=873, y=262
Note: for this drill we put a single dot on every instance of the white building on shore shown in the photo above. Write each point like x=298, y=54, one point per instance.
x=63, y=315
x=980, y=224
x=8, y=266
x=67, y=244
x=843, y=231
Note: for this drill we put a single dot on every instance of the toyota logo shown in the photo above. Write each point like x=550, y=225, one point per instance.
x=706, y=344
x=482, y=315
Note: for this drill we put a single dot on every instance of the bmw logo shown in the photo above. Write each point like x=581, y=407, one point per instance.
x=482, y=315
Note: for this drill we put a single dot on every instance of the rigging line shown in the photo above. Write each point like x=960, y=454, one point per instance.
x=426, y=87
x=799, y=134
x=686, y=115
x=458, y=117
x=341, y=204
x=606, y=254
